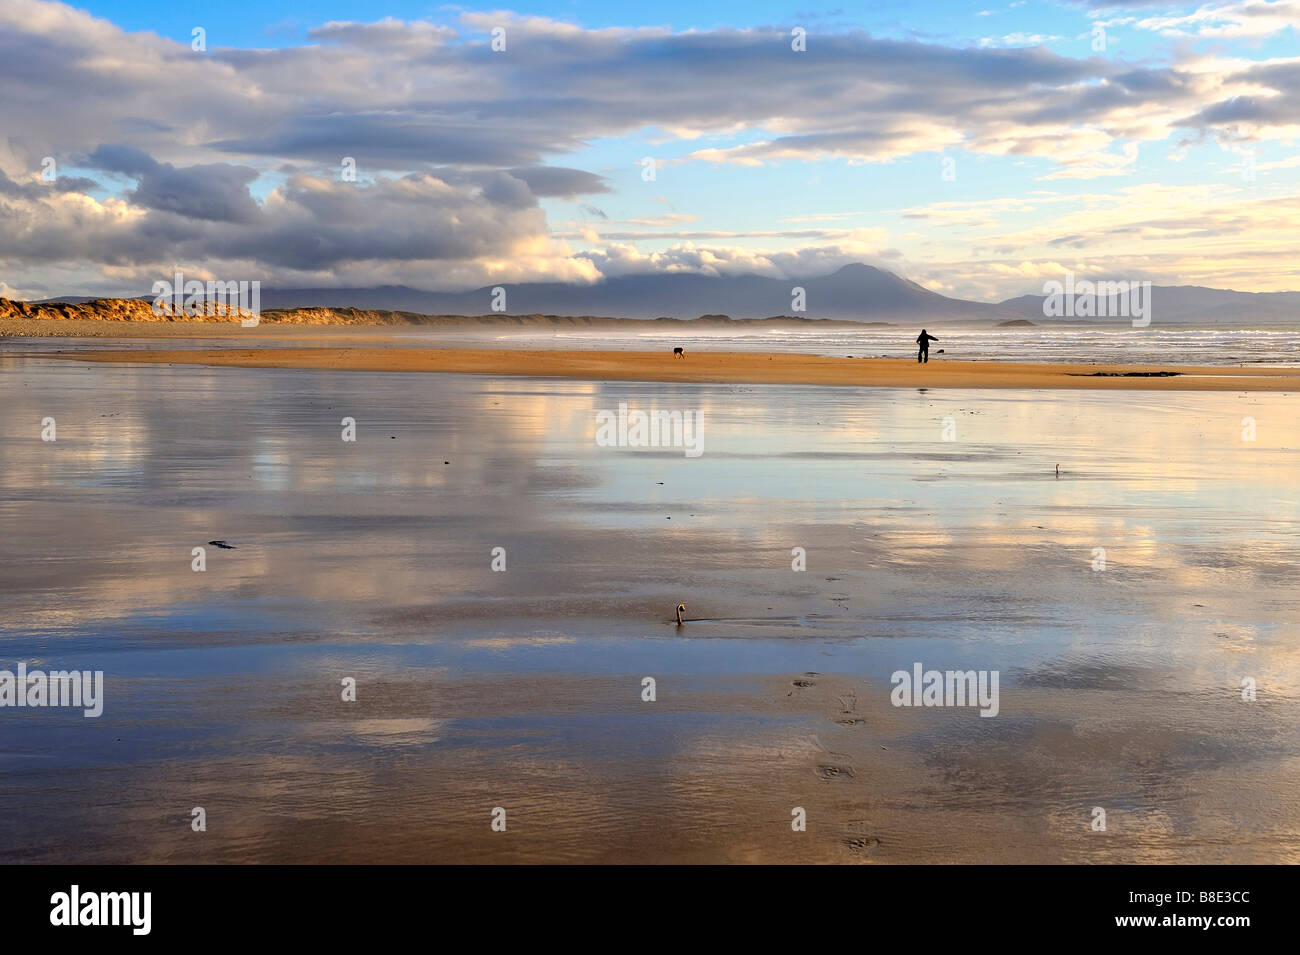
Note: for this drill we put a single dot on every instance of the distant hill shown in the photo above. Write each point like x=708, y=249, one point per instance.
x=855, y=293
x=1184, y=304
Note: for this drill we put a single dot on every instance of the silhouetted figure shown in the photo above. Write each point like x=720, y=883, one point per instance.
x=924, y=340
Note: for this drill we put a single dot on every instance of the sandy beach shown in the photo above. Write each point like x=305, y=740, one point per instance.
x=717, y=367
x=583, y=434
x=522, y=689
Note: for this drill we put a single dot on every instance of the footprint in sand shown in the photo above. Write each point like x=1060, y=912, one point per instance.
x=831, y=771
x=861, y=845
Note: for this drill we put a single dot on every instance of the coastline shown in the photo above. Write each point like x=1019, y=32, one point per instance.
x=716, y=367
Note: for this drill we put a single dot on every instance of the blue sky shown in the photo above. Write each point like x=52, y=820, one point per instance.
x=242, y=23
x=979, y=149
x=251, y=24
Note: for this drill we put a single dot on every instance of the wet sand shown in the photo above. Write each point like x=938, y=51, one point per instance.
x=718, y=367
x=936, y=530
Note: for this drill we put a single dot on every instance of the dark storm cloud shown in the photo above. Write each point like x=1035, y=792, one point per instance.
x=122, y=159
x=392, y=141
x=323, y=230
x=213, y=191
x=560, y=182
x=36, y=190
x=313, y=224
x=216, y=191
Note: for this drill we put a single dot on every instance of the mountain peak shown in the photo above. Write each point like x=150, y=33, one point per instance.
x=854, y=292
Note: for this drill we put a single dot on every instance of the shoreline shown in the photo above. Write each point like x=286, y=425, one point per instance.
x=700, y=367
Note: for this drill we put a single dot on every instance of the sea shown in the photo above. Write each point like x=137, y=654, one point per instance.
x=1273, y=345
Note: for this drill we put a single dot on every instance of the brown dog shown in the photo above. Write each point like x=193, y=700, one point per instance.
x=679, y=352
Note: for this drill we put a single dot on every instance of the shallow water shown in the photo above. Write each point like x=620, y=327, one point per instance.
x=1275, y=346
x=1120, y=688
x=1272, y=345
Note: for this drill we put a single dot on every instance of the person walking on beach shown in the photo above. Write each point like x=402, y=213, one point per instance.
x=924, y=340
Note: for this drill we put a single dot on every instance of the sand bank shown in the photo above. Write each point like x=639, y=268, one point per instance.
x=720, y=367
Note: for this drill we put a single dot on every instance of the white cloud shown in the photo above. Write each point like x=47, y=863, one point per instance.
x=1252, y=19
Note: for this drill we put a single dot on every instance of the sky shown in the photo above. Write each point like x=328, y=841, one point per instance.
x=979, y=149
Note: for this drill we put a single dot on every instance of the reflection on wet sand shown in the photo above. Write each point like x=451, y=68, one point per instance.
x=476, y=689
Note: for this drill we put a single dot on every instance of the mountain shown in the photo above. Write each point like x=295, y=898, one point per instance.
x=858, y=293
x=1181, y=304
x=855, y=293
